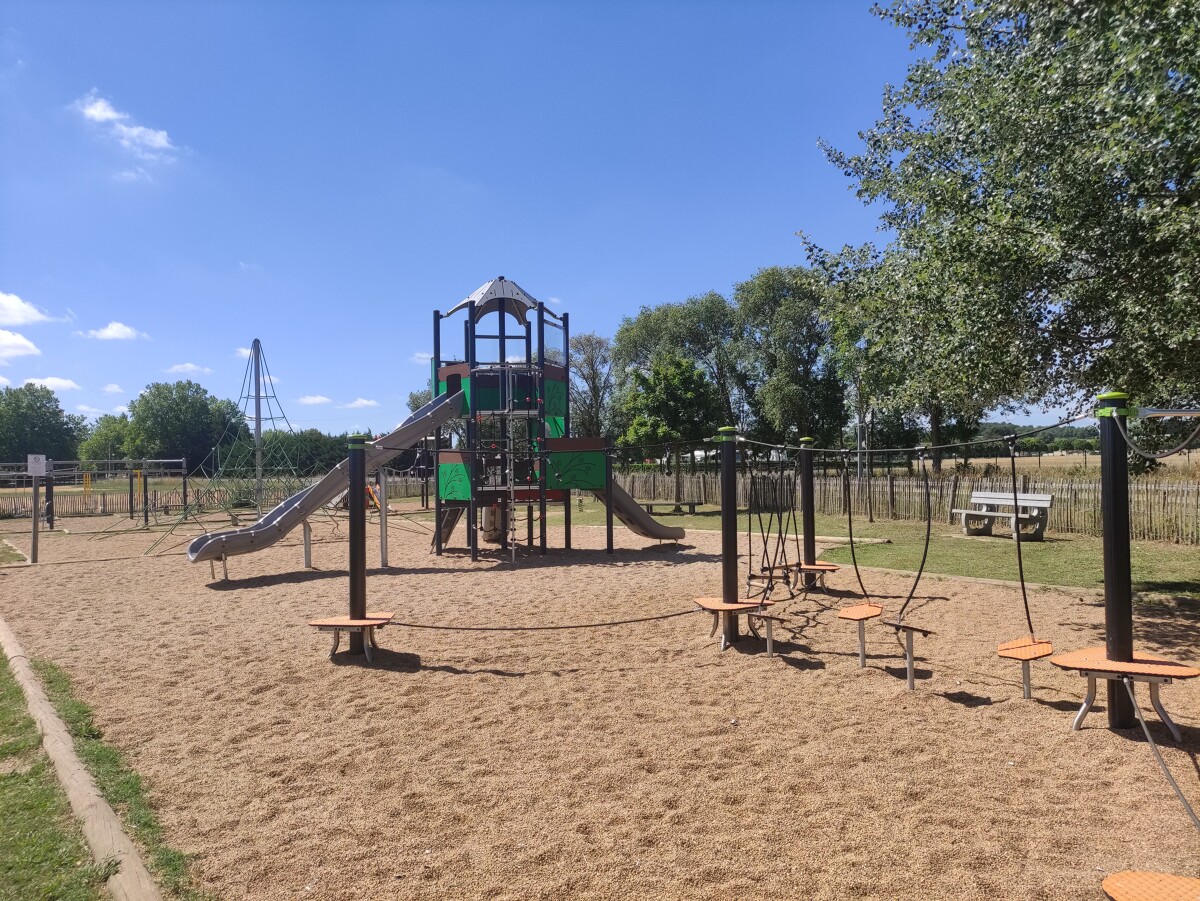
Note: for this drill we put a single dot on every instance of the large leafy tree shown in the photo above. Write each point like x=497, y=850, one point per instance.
x=787, y=356
x=672, y=403
x=1043, y=159
x=591, y=384
x=181, y=419
x=705, y=329
x=109, y=439
x=33, y=422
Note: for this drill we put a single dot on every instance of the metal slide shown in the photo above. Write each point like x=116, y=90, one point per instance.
x=636, y=519
x=303, y=504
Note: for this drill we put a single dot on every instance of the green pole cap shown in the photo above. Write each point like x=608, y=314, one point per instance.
x=727, y=433
x=807, y=440
x=355, y=442
x=1113, y=395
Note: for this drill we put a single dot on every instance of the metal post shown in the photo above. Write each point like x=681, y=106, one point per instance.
x=910, y=659
x=36, y=517
x=727, y=439
x=530, y=428
x=608, y=503
x=383, y=517
x=256, y=350
x=808, y=509
x=1118, y=589
x=566, y=338
x=185, y=497
x=131, y=507
x=307, y=545
x=50, y=495
x=472, y=435
x=540, y=380
x=435, y=386
x=145, y=495
x=358, y=536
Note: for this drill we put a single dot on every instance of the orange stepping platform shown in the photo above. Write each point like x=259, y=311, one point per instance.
x=859, y=612
x=375, y=619
x=750, y=606
x=1141, y=886
x=1026, y=649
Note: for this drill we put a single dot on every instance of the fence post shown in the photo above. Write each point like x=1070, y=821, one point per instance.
x=891, y=489
x=953, y=500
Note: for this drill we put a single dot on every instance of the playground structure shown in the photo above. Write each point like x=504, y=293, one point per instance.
x=516, y=448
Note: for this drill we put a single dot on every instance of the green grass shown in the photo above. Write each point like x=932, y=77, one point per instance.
x=119, y=784
x=9, y=554
x=42, y=852
x=1069, y=560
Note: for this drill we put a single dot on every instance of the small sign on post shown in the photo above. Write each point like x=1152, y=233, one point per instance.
x=35, y=464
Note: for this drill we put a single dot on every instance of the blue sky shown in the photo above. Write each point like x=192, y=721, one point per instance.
x=177, y=179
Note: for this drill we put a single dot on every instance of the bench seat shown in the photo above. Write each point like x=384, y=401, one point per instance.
x=1031, y=515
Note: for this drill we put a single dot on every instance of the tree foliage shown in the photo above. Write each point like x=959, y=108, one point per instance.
x=33, y=422
x=1040, y=166
x=591, y=384
x=181, y=419
x=672, y=403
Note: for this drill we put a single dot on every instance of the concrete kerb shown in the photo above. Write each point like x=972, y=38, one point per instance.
x=101, y=827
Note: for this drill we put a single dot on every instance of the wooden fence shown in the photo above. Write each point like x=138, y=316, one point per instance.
x=1158, y=511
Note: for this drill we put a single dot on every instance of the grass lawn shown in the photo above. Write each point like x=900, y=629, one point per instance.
x=9, y=554
x=1074, y=560
x=120, y=785
x=42, y=852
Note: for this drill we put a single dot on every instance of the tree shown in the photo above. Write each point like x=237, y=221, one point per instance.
x=705, y=329
x=591, y=384
x=672, y=404
x=108, y=439
x=1042, y=160
x=787, y=358
x=33, y=422
x=181, y=419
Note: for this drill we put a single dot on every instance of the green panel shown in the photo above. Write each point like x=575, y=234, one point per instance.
x=454, y=482
x=576, y=469
x=556, y=427
x=556, y=398
x=487, y=398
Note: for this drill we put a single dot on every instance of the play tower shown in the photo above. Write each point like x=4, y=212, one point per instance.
x=509, y=455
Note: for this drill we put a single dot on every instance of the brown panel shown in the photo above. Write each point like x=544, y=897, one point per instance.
x=576, y=444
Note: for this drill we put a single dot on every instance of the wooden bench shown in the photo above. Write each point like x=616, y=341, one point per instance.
x=650, y=505
x=1031, y=515
x=753, y=608
x=338, y=624
x=1094, y=664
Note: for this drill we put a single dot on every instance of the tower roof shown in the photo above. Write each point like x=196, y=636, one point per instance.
x=499, y=294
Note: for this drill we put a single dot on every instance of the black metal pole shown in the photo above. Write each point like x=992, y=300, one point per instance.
x=185, y=498
x=473, y=442
x=566, y=338
x=145, y=495
x=727, y=439
x=540, y=387
x=608, y=503
x=807, y=508
x=131, y=507
x=358, y=535
x=435, y=386
x=50, y=495
x=530, y=428
x=1118, y=588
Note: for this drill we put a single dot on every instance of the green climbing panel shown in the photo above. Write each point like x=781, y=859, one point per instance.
x=454, y=482
x=583, y=470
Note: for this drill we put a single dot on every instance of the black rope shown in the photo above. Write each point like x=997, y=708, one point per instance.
x=619, y=622
x=1012, y=459
x=850, y=526
x=1145, y=453
x=928, y=530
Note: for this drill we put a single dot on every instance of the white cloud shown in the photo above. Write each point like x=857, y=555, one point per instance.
x=249, y=267
x=310, y=400
x=54, y=383
x=188, y=368
x=13, y=344
x=4, y=381
x=137, y=173
x=556, y=301
x=120, y=409
x=114, y=331
x=244, y=353
x=359, y=403
x=15, y=311
x=90, y=411
x=112, y=388
x=421, y=358
x=150, y=144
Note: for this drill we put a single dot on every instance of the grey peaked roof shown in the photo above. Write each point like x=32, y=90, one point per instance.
x=499, y=293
